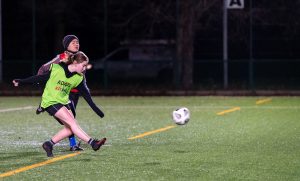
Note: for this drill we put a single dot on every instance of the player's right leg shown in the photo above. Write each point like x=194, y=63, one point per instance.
x=67, y=118
x=70, y=127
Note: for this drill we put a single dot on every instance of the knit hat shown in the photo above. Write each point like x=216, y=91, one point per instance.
x=67, y=40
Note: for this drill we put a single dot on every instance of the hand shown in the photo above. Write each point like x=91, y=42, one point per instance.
x=16, y=82
x=101, y=114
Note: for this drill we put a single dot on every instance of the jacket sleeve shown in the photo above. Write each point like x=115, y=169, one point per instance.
x=46, y=67
x=85, y=93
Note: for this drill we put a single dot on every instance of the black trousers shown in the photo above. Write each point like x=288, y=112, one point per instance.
x=73, y=97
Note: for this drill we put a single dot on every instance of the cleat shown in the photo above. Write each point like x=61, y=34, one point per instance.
x=39, y=110
x=98, y=143
x=48, y=148
x=76, y=148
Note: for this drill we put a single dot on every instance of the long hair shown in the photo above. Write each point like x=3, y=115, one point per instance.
x=79, y=57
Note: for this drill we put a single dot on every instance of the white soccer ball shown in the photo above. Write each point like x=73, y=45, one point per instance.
x=181, y=116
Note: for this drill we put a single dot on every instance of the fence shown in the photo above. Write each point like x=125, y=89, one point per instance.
x=266, y=74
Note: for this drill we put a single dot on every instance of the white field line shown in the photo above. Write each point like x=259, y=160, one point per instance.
x=16, y=109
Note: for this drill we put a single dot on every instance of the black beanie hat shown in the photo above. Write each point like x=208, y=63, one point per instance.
x=67, y=40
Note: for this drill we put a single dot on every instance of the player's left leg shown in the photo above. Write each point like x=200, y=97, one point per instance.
x=48, y=145
x=69, y=121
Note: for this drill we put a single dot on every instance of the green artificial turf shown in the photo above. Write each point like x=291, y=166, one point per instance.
x=257, y=142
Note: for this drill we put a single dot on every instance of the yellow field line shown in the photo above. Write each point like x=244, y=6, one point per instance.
x=262, y=101
x=151, y=132
x=10, y=173
x=228, y=111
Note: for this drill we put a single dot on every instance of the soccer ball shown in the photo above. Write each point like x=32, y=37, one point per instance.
x=181, y=116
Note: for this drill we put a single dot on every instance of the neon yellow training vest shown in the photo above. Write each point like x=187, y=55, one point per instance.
x=58, y=86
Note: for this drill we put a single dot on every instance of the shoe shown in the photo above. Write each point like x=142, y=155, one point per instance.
x=39, y=110
x=48, y=148
x=98, y=143
x=76, y=147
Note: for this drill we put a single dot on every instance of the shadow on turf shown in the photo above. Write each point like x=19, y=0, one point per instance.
x=18, y=155
x=18, y=159
x=180, y=151
x=152, y=163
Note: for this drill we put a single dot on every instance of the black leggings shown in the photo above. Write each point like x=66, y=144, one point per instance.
x=73, y=97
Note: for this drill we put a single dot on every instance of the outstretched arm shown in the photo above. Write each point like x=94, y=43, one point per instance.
x=33, y=79
x=85, y=93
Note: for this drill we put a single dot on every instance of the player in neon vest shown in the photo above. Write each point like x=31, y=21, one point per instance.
x=60, y=80
x=71, y=45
